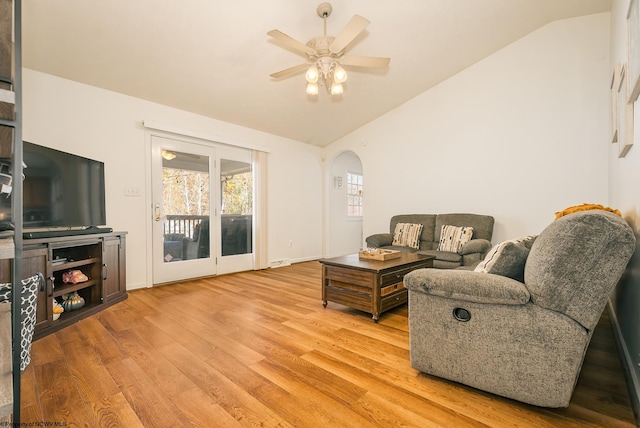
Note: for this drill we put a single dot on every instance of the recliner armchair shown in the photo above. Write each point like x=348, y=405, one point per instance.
x=524, y=341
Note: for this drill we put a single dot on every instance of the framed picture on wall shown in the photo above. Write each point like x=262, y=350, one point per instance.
x=625, y=115
x=615, y=124
x=633, y=50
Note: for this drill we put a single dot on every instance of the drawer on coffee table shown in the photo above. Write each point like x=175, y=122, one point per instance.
x=338, y=276
x=394, y=276
x=392, y=300
x=384, y=291
x=347, y=297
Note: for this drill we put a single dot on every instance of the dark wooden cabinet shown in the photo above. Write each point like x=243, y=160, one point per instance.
x=101, y=257
x=113, y=265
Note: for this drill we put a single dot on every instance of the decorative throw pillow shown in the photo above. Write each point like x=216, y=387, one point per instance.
x=28, y=306
x=586, y=207
x=407, y=235
x=452, y=238
x=5, y=292
x=528, y=240
x=507, y=258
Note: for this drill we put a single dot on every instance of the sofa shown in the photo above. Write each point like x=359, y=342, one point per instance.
x=467, y=256
x=522, y=339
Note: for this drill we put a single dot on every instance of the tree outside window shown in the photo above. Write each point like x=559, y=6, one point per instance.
x=354, y=194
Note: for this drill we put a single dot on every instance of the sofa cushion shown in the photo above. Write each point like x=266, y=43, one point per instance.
x=576, y=259
x=452, y=238
x=443, y=255
x=482, y=224
x=407, y=235
x=427, y=221
x=507, y=259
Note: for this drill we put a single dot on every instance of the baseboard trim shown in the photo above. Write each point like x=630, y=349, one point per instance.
x=288, y=262
x=633, y=383
x=137, y=285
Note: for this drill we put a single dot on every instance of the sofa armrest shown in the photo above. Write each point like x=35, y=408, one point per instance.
x=468, y=286
x=475, y=246
x=379, y=240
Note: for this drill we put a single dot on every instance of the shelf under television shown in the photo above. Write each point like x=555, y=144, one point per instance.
x=74, y=264
x=70, y=288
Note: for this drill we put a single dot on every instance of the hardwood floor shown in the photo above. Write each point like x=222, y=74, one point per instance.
x=258, y=349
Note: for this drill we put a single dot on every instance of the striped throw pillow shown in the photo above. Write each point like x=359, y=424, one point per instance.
x=507, y=258
x=452, y=238
x=407, y=235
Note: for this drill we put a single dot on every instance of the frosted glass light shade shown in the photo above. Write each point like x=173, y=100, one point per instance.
x=312, y=88
x=339, y=74
x=312, y=74
x=336, y=88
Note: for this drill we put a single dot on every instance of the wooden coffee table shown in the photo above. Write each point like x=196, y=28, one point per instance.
x=369, y=285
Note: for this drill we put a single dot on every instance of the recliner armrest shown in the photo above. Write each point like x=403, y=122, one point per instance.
x=468, y=286
x=379, y=240
x=475, y=246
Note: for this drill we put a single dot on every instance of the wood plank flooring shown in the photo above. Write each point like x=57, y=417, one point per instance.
x=258, y=349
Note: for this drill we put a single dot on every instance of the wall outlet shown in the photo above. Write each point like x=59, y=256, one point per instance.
x=291, y=242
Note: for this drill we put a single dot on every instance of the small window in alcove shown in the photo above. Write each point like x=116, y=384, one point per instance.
x=354, y=194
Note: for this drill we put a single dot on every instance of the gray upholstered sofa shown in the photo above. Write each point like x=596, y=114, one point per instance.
x=522, y=340
x=467, y=257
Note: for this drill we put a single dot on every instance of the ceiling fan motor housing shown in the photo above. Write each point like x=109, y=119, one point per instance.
x=322, y=45
x=324, y=10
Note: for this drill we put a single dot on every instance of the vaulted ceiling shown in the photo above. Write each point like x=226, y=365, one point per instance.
x=214, y=58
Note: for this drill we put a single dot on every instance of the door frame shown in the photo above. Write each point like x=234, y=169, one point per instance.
x=154, y=130
x=199, y=267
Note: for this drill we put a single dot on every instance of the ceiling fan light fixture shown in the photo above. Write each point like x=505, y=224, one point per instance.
x=326, y=54
x=339, y=74
x=312, y=88
x=312, y=74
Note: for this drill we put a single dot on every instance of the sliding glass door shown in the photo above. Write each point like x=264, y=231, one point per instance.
x=235, y=226
x=202, y=207
x=183, y=207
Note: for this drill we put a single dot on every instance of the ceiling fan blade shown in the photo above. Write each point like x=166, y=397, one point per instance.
x=365, y=61
x=291, y=42
x=348, y=33
x=289, y=71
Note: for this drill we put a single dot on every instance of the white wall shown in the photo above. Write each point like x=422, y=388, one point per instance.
x=624, y=176
x=518, y=135
x=107, y=126
x=345, y=234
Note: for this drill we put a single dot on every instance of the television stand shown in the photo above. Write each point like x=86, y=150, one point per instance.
x=66, y=232
x=100, y=256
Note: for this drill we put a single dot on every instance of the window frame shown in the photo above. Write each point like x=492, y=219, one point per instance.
x=358, y=195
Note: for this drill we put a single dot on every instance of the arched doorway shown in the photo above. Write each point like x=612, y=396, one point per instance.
x=344, y=195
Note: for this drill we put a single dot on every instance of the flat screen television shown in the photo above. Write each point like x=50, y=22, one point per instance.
x=61, y=190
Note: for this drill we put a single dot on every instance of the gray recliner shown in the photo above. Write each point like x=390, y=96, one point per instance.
x=524, y=341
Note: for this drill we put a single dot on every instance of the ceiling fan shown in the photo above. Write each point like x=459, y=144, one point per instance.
x=326, y=54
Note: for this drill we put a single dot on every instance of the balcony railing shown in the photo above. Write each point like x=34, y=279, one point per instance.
x=236, y=235
x=183, y=224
